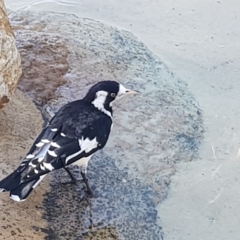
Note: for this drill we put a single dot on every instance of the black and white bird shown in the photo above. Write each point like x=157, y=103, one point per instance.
x=73, y=135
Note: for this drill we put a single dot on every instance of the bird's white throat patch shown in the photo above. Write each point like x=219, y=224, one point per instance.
x=99, y=101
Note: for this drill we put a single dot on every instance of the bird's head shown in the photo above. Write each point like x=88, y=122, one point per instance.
x=102, y=94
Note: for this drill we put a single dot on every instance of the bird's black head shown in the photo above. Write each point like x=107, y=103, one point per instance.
x=102, y=94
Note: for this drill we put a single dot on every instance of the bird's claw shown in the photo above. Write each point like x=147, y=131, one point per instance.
x=89, y=193
x=74, y=182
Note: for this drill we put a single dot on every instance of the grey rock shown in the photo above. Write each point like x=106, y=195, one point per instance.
x=62, y=56
x=10, y=69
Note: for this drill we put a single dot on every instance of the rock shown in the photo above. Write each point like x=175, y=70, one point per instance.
x=62, y=56
x=20, y=123
x=10, y=63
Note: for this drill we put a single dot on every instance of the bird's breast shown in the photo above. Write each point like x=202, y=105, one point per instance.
x=83, y=162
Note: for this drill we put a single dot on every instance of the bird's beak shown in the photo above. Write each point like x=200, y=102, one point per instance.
x=130, y=92
x=124, y=91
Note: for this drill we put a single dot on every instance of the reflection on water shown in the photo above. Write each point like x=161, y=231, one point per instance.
x=152, y=132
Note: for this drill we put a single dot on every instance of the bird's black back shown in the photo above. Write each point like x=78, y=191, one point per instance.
x=75, y=121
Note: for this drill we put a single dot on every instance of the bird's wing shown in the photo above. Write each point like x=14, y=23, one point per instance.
x=72, y=134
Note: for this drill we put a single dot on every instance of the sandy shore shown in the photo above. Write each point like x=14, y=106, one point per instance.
x=199, y=41
x=20, y=220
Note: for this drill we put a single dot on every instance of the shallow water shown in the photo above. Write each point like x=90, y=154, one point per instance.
x=199, y=43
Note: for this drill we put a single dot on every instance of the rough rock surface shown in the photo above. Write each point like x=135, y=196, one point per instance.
x=20, y=220
x=62, y=57
x=10, y=69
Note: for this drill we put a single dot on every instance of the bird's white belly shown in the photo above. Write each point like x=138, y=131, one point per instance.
x=83, y=162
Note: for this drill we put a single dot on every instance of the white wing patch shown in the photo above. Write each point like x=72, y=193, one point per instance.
x=42, y=167
x=54, y=129
x=54, y=144
x=52, y=153
x=29, y=156
x=42, y=153
x=40, y=159
x=40, y=144
x=48, y=166
x=32, y=165
x=40, y=156
x=86, y=145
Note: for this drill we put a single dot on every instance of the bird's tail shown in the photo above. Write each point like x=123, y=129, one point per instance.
x=19, y=191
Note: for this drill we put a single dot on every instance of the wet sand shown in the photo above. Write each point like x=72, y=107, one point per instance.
x=200, y=43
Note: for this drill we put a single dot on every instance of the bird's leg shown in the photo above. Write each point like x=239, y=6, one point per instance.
x=89, y=190
x=73, y=179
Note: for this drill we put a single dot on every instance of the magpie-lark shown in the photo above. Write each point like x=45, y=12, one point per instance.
x=72, y=136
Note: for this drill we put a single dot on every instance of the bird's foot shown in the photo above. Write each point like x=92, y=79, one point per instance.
x=89, y=190
x=73, y=182
x=73, y=178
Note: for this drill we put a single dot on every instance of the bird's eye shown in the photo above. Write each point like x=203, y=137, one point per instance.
x=113, y=94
